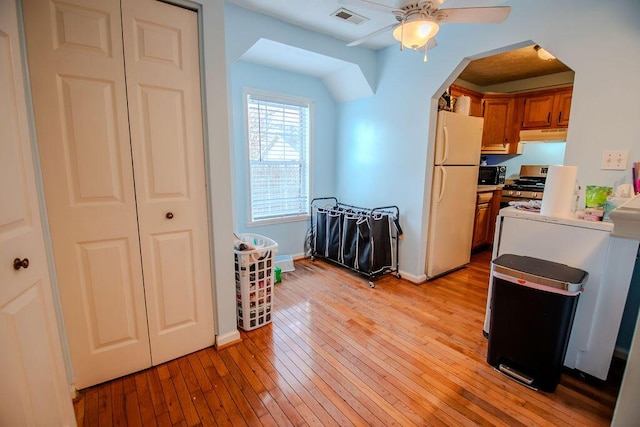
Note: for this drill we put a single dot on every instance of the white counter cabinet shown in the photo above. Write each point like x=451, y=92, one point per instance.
x=589, y=246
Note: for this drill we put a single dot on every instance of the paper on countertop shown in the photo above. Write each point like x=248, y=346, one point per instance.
x=529, y=205
x=624, y=191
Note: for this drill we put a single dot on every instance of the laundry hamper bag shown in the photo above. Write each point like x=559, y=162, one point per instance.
x=254, y=262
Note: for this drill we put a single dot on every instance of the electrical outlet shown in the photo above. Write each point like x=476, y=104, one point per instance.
x=615, y=159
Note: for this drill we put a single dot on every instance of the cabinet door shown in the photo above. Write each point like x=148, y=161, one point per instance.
x=481, y=229
x=482, y=223
x=562, y=108
x=537, y=111
x=498, y=117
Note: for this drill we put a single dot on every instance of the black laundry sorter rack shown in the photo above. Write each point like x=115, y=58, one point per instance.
x=363, y=240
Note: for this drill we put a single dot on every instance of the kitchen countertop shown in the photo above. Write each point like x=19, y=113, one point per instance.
x=486, y=188
x=518, y=213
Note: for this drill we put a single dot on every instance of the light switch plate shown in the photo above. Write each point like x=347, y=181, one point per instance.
x=615, y=159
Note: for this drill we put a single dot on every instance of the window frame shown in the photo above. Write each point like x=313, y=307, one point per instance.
x=282, y=99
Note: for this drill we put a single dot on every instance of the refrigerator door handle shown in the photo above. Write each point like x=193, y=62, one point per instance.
x=443, y=183
x=445, y=154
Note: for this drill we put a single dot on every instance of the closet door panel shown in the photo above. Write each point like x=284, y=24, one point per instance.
x=163, y=82
x=77, y=78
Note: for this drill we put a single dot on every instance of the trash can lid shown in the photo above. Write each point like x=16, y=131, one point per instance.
x=571, y=278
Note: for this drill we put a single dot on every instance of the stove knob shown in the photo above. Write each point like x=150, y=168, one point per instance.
x=534, y=195
x=518, y=193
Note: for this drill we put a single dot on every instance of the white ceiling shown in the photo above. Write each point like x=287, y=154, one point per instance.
x=315, y=15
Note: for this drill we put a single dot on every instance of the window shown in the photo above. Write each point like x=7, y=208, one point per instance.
x=278, y=129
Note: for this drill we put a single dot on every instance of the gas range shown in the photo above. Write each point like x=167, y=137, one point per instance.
x=529, y=186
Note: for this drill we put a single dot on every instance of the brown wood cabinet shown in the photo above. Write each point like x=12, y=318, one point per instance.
x=547, y=109
x=506, y=115
x=476, y=98
x=498, y=113
x=487, y=208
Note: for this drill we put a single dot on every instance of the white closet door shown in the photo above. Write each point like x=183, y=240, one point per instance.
x=77, y=76
x=163, y=90
x=33, y=384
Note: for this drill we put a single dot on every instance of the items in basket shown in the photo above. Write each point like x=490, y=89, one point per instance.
x=254, y=265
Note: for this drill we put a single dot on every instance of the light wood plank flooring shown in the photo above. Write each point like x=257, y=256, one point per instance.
x=340, y=353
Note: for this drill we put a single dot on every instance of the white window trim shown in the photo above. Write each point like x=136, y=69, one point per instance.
x=285, y=99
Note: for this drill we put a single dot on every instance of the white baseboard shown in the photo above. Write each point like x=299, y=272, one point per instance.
x=228, y=338
x=298, y=256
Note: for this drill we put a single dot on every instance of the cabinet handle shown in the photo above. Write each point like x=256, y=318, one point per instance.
x=20, y=263
x=169, y=215
x=549, y=117
x=559, y=116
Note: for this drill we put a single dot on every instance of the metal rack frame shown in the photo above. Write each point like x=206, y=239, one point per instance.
x=392, y=211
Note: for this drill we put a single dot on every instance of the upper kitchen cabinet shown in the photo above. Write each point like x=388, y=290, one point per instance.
x=498, y=113
x=476, y=98
x=547, y=109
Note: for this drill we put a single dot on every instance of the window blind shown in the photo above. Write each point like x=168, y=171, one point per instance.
x=278, y=138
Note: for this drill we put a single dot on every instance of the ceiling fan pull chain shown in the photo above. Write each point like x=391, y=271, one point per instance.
x=402, y=34
x=425, y=52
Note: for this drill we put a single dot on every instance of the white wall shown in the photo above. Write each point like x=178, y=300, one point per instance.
x=532, y=154
x=386, y=142
x=219, y=173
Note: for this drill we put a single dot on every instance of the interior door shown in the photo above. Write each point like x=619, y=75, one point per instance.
x=76, y=68
x=163, y=86
x=33, y=384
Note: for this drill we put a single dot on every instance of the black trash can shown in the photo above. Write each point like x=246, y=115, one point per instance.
x=533, y=303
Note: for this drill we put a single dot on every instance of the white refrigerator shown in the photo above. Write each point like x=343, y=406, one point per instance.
x=453, y=192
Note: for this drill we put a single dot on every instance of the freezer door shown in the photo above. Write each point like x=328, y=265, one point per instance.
x=458, y=139
x=453, y=202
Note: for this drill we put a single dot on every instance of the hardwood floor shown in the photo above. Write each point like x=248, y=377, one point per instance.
x=340, y=353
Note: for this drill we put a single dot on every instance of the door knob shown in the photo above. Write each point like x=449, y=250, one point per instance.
x=169, y=215
x=20, y=263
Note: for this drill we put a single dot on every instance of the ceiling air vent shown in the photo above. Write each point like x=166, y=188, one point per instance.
x=347, y=15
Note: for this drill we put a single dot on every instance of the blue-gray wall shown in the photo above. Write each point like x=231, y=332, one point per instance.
x=384, y=144
x=289, y=235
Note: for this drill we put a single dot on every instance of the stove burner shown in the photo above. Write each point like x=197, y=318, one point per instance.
x=529, y=186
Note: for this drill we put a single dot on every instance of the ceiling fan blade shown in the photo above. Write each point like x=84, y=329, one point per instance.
x=375, y=33
x=369, y=4
x=487, y=15
x=432, y=43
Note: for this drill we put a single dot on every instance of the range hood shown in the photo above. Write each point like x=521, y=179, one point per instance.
x=544, y=135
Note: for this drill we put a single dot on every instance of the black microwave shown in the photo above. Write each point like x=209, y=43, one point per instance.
x=492, y=175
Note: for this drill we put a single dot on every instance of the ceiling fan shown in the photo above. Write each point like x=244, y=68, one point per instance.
x=418, y=21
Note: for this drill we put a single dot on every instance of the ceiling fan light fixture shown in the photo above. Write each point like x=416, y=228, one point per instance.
x=543, y=54
x=415, y=34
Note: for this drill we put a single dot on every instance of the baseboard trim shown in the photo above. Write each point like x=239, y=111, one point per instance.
x=225, y=340
x=301, y=255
